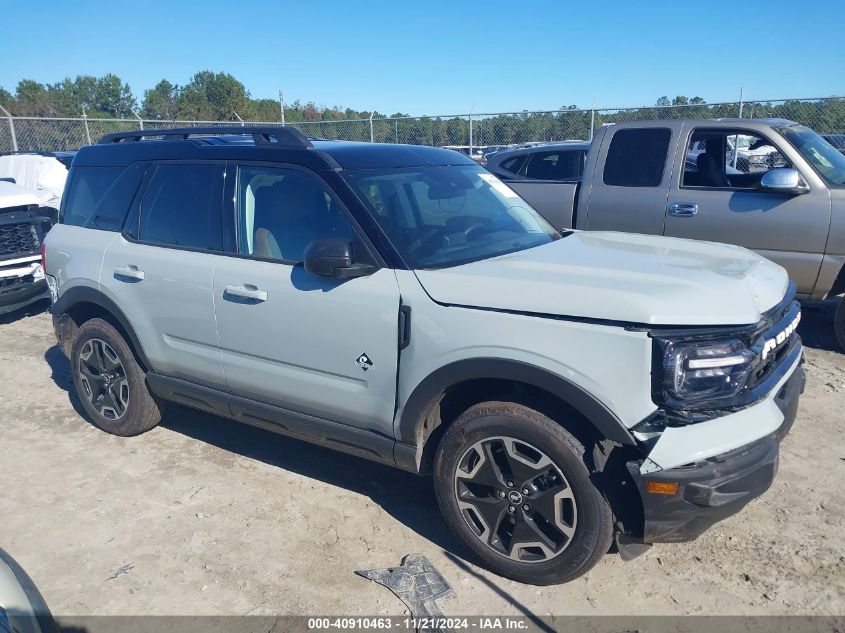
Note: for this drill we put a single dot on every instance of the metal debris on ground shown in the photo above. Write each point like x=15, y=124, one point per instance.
x=416, y=583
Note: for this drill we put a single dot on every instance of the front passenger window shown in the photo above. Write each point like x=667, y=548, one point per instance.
x=729, y=159
x=280, y=211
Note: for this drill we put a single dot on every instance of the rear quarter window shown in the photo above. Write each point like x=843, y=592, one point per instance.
x=555, y=165
x=513, y=165
x=637, y=158
x=99, y=197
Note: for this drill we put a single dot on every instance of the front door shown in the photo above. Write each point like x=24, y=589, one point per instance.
x=289, y=338
x=717, y=197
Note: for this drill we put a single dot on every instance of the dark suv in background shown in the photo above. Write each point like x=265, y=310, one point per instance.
x=562, y=161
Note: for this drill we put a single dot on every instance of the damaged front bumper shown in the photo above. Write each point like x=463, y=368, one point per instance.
x=681, y=502
x=22, y=282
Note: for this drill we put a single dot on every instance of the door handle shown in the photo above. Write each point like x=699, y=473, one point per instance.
x=246, y=291
x=129, y=272
x=683, y=209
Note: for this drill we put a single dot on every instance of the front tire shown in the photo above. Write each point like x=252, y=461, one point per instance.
x=514, y=489
x=839, y=323
x=109, y=381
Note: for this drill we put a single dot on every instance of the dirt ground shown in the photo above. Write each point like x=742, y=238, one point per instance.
x=206, y=517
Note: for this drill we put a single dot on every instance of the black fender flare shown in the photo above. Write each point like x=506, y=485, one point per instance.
x=594, y=411
x=86, y=294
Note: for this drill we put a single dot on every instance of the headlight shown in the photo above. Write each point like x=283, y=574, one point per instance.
x=703, y=374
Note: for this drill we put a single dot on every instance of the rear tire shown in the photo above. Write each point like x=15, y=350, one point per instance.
x=513, y=487
x=839, y=323
x=109, y=381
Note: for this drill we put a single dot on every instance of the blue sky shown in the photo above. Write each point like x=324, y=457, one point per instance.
x=441, y=57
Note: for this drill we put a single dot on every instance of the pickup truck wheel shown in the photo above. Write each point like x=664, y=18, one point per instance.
x=109, y=382
x=513, y=487
x=839, y=323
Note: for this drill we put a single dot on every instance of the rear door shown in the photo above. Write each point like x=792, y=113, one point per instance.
x=717, y=197
x=627, y=189
x=159, y=270
x=290, y=338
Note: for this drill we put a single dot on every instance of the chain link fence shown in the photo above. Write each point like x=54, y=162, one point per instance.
x=465, y=131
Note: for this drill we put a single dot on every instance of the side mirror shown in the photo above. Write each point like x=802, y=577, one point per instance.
x=784, y=180
x=332, y=257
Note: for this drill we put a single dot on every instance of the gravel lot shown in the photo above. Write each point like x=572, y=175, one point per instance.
x=204, y=516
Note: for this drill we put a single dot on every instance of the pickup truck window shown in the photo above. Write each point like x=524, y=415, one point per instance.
x=729, y=159
x=443, y=216
x=825, y=159
x=557, y=165
x=637, y=157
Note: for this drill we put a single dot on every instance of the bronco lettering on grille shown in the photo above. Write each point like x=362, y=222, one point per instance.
x=773, y=343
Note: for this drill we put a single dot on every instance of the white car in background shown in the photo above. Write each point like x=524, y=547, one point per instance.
x=31, y=187
x=42, y=174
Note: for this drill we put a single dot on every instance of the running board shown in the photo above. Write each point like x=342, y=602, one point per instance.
x=331, y=434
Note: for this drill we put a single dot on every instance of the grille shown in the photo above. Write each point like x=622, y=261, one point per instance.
x=18, y=238
x=9, y=284
x=778, y=320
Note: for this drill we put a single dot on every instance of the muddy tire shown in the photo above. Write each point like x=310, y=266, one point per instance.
x=109, y=381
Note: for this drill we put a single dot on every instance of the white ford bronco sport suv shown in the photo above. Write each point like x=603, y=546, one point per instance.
x=400, y=303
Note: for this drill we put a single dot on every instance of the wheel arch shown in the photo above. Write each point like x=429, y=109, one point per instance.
x=83, y=303
x=838, y=287
x=450, y=390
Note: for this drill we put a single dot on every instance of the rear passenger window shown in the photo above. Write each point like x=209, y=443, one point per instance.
x=99, y=196
x=554, y=166
x=636, y=158
x=178, y=207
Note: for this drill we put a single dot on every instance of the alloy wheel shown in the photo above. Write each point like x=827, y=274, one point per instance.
x=103, y=379
x=515, y=499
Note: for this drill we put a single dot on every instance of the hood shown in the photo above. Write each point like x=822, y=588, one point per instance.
x=12, y=195
x=620, y=277
x=43, y=175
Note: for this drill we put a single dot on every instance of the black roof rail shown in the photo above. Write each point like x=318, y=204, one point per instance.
x=261, y=134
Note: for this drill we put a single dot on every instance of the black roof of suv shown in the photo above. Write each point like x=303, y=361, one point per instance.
x=276, y=144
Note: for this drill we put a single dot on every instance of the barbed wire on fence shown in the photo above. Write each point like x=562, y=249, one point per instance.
x=823, y=114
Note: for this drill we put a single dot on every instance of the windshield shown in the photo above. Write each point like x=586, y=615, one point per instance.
x=444, y=216
x=824, y=157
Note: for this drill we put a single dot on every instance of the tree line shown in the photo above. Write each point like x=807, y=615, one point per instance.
x=210, y=96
